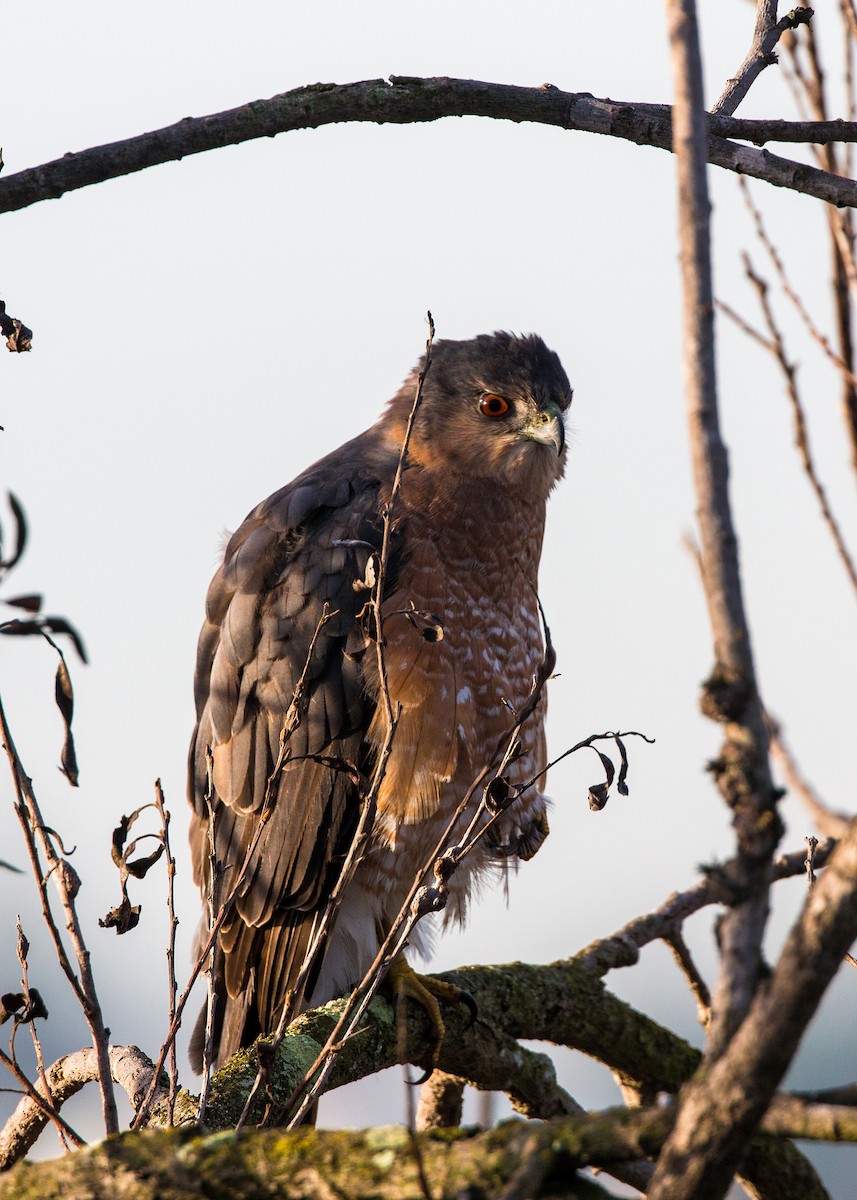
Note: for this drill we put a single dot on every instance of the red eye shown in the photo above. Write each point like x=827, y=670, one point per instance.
x=493, y=406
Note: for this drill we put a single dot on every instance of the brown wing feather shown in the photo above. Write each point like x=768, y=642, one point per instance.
x=262, y=610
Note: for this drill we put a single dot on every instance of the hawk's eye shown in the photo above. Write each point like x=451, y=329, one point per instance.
x=493, y=406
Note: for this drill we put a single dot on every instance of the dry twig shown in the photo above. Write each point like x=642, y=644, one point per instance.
x=766, y=34
x=38, y=837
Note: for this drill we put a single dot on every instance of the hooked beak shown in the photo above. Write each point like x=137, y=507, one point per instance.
x=548, y=427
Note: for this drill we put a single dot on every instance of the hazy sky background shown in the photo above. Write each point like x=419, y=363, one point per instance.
x=205, y=329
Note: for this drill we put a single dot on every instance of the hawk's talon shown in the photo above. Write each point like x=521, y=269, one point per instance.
x=428, y=993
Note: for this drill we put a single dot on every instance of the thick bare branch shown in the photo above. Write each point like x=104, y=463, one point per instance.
x=720, y=1112
x=129, y=1067
x=509, y=1161
x=403, y=100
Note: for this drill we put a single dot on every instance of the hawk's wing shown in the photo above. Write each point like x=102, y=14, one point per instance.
x=305, y=546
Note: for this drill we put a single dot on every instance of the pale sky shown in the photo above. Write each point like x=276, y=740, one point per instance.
x=206, y=329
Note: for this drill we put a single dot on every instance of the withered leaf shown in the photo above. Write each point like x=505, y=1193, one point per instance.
x=6, y=564
x=498, y=794
x=124, y=917
x=599, y=794
x=65, y=703
x=10, y=1002
x=607, y=764
x=120, y=834
x=141, y=866
x=621, y=782
x=426, y=623
x=61, y=625
x=19, y=628
x=31, y=602
x=36, y=1008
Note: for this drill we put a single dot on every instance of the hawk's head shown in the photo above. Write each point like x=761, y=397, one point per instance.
x=492, y=407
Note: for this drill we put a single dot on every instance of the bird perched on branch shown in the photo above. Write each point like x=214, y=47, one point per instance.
x=461, y=644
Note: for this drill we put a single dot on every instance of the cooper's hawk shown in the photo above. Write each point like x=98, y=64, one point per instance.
x=486, y=449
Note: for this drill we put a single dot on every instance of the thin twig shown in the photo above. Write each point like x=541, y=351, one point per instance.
x=164, y=814
x=831, y=824
x=212, y=893
x=622, y=948
x=744, y=780
x=766, y=34
x=37, y=835
x=23, y=947
x=684, y=959
x=801, y=432
x=779, y=267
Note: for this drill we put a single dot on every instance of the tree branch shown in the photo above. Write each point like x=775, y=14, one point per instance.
x=720, y=1112
x=403, y=100
x=129, y=1067
x=512, y=1160
x=766, y=34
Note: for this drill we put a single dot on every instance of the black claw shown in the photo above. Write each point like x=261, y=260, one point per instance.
x=473, y=1008
x=424, y=1078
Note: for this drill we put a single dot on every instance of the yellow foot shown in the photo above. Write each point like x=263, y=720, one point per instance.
x=429, y=993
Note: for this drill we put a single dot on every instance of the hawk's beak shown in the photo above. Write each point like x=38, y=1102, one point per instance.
x=548, y=427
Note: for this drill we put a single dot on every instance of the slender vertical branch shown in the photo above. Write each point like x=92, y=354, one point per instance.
x=730, y=695
x=164, y=814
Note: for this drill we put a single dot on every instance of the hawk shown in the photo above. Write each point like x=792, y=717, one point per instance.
x=487, y=446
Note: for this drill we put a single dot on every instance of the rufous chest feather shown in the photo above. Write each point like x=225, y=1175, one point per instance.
x=472, y=567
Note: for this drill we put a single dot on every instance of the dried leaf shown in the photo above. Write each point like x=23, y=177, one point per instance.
x=498, y=794
x=621, y=784
x=61, y=625
x=120, y=835
x=20, y=532
x=32, y=602
x=65, y=703
x=36, y=1007
x=599, y=794
x=124, y=917
x=140, y=867
x=18, y=628
x=426, y=623
x=10, y=1002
